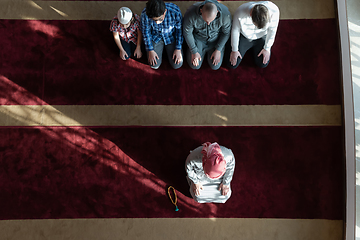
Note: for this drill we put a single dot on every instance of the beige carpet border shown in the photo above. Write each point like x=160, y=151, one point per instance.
x=170, y=115
x=174, y=229
x=106, y=10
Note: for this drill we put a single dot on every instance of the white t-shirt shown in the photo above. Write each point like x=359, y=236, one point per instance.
x=242, y=23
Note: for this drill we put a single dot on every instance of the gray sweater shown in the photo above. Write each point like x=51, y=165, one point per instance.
x=196, y=29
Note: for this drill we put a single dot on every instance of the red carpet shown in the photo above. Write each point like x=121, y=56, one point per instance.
x=281, y=172
x=78, y=172
x=76, y=62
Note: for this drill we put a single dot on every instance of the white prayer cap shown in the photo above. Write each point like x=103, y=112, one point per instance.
x=124, y=15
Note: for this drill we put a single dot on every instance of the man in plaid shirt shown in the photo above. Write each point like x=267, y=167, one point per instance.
x=161, y=26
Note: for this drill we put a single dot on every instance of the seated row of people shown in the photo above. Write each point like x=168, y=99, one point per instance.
x=206, y=28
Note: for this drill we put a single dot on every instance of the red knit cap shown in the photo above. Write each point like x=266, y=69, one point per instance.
x=214, y=164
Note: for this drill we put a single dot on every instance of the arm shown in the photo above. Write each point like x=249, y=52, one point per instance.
x=224, y=186
x=139, y=38
x=193, y=165
x=230, y=167
x=138, y=52
x=179, y=39
x=190, y=170
x=146, y=31
x=178, y=31
x=146, y=34
x=117, y=41
x=273, y=25
x=235, y=33
x=188, y=29
x=235, y=38
x=123, y=53
x=224, y=31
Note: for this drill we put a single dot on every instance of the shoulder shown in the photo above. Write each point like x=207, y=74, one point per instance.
x=173, y=12
x=144, y=18
x=136, y=20
x=172, y=7
x=274, y=11
x=225, y=14
x=271, y=6
x=115, y=20
x=192, y=11
x=228, y=154
x=114, y=24
x=243, y=10
x=143, y=13
x=224, y=9
x=195, y=155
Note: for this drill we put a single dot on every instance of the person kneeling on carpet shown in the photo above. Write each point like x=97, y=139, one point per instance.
x=210, y=169
x=206, y=29
x=127, y=35
x=161, y=25
x=254, y=27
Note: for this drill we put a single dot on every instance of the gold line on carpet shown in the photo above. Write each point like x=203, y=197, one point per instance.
x=171, y=228
x=170, y=115
x=106, y=10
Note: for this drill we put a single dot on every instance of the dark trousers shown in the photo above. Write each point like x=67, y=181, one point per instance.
x=170, y=48
x=128, y=47
x=255, y=47
x=205, y=48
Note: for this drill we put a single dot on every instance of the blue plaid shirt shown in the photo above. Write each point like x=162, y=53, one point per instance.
x=164, y=31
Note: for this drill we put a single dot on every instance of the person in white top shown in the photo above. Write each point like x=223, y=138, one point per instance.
x=210, y=169
x=254, y=27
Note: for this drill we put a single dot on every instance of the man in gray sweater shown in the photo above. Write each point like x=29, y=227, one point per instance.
x=206, y=29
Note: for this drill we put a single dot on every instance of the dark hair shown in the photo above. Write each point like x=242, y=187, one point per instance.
x=155, y=8
x=260, y=15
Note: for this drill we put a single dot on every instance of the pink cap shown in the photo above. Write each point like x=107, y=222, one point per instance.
x=213, y=160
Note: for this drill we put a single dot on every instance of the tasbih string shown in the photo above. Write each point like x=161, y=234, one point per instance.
x=173, y=201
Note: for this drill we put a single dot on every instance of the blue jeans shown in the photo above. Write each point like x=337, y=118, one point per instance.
x=128, y=47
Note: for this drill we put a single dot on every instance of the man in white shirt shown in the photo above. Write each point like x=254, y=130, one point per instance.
x=254, y=27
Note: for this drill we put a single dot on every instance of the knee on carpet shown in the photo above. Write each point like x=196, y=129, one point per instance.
x=177, y=66
x=155, y=67
x=215, y=67
x=261, y=65
x=194, y=67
